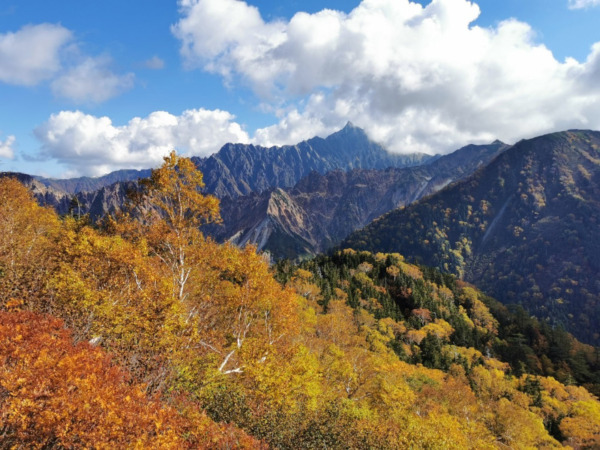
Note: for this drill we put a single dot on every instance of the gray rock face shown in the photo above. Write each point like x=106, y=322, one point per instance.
x=73, y=186
x=239, y=169
x=45, y=195
x=321, y=210
x=97, y=203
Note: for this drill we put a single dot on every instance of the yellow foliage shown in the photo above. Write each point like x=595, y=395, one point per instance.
x=303, y=274
x=516, y=427
x=393, y=271
x=439, y=328
x=410, y=270
x=480, y=313
x=415, y=336
x=582, y=427
x=470, y=355
x=214, y=325
x=26, y=233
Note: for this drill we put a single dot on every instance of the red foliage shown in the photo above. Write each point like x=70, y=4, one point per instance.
x=53, y=393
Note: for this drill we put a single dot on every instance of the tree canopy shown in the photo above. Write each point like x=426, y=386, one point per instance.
x=109, y=338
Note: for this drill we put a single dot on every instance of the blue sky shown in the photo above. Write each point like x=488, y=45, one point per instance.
x=92, y=86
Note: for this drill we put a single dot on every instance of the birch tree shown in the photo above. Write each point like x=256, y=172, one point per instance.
x=175, y=210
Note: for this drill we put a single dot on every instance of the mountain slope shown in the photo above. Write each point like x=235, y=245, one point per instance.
x=321, y=210
x=90, y=184
x=524, y=229
x=239, y=169
x=377, y=354
x=414, y=296
x=45, y=195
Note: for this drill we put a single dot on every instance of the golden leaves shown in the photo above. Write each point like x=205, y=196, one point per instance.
x=189, y=318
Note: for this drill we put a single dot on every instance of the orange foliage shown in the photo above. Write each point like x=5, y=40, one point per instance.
x=55, y=394
x=423, y=314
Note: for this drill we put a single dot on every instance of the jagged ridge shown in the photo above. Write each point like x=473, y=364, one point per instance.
x=321, y=210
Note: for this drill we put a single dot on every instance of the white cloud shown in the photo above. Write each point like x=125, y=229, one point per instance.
x=91, y=81
x=48, y=52
x=154, y=63
x=580, y=4
x=92, y=145
x=32, y=54
x=6, y=150
x=416, y=78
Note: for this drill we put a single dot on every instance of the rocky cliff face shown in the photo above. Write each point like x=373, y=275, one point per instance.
x=239, y=169
x=524, y=229
x=97, y=203
x=73, y=186
x=321, y=210
x=45, y=195
x=106, y=200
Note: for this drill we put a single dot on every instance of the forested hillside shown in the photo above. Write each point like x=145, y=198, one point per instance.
x=523, y=229
x=145, y=333
x=388, y=287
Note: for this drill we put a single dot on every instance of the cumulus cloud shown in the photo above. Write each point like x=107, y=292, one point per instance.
x=90, y=145
x=91, y=81
x=6, y=150
x=580, y=4
x=32, y=54
x=48, y=52
x=417, y=78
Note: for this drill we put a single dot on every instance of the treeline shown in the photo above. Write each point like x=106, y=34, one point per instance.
x=142, y=333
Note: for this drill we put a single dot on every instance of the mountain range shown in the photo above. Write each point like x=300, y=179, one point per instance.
x=321, y=210
x=91, y=184
x=239, y=169
x=291, y=201
x=235, y=170
x=520, y=222
x=524, y=228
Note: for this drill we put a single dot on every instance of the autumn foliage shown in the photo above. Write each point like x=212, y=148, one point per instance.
x=56, y=394
x=25, y=231
x=144, y=333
